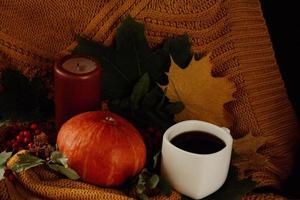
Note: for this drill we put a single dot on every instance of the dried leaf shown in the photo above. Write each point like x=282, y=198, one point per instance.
x=248, y=159
x=203, y=95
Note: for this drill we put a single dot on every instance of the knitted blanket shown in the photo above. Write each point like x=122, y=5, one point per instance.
x=34, y=33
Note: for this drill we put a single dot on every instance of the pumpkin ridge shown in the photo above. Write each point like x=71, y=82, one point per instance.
x=135, y=155
x=93, y=139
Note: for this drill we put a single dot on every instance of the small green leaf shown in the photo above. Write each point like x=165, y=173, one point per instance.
x=59, y=157
x=155, y=159
x=152, y=97
x=165, y=187
x=4, y=156
x=142, y=178
x=153, y=181
x=140, y=89
x=175, y=107
x=140, y=188
x=26, y=161
x=142, y=197
x=162, y=100
x=68, y=172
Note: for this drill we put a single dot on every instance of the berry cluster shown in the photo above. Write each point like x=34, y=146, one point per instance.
x=24, y=138
x=28, y=137
x=41, y=147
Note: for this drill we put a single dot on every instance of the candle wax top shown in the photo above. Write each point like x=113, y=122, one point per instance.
x=79, y=65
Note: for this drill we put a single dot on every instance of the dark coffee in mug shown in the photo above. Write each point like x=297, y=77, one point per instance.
x=198, y=142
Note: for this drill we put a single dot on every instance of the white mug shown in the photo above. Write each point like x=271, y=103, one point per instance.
x=195, y=175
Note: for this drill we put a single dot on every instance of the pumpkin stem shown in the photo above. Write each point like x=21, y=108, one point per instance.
x=109, y=120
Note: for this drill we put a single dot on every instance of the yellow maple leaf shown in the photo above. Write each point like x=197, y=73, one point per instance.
x=202, y=94
x=248, y=160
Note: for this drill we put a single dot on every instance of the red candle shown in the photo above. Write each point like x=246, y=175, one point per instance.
x=77, y=87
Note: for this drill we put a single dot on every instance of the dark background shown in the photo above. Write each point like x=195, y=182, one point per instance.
x=283, y=21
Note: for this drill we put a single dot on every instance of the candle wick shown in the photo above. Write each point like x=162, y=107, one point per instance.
x=78, y=67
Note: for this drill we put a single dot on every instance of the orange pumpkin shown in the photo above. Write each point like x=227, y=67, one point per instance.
x=102, y=147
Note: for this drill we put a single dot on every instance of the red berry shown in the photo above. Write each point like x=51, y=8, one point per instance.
x=15, y=145
x=37, y=132
x=11, y=177
x=30, y=145
x=15, y=127
x=20, y=138
x=33, y=126
x=24, y=132
x=26, y=140
x=27, y=134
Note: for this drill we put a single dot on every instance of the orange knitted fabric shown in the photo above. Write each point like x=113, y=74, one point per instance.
x=40, y=183
x=34, y=33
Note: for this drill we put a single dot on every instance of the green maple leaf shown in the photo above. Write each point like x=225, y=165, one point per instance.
x=130, y=57
x=125, y=62
x=233, y=188
x=23, y=99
